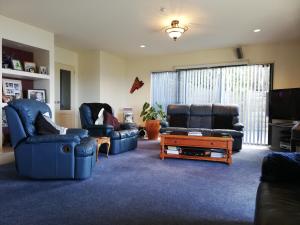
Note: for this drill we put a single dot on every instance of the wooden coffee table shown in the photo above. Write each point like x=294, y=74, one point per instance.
x=206, y=142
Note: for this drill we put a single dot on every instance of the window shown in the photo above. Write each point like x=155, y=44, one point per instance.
x=246, y=85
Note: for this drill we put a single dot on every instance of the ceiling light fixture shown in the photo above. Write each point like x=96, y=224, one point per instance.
x=142, y=46
x=256, y=30
x=175, y=31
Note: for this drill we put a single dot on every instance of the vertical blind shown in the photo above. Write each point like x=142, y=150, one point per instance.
x=247, y=86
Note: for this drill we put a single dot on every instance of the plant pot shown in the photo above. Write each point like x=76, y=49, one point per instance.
x=152, y=127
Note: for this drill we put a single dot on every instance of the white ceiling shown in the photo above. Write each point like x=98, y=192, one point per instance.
x=121, y=26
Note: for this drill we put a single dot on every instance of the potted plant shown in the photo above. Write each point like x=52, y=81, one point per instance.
x=152, y=115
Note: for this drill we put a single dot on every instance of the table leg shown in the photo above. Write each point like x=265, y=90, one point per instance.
x=97, y=151
x=108, y=147
x=229, y=154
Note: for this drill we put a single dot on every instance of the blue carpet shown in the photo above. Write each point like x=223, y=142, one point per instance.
x=138, y=188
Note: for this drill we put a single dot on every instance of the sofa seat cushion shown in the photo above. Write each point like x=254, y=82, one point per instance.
x=233, y=133
x=87, y=147
x=278, y=204
x=121, y=134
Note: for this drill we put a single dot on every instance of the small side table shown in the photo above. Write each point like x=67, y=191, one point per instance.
x=100, y=141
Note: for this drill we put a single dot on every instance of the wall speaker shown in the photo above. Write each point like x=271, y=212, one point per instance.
x=239, y=53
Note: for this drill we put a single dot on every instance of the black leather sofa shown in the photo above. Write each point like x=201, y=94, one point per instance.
x=208, y=118
x=122, y=140
x=278, y=194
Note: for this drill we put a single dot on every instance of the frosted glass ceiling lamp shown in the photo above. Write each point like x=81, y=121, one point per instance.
x=175, y=31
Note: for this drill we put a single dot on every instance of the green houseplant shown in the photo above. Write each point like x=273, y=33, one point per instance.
x=152, y=115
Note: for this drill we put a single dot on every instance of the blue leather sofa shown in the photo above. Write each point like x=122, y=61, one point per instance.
x=121, y=141
x=278, y=194
x=70, y=156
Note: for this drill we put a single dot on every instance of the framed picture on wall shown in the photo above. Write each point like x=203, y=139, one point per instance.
x=37, y=94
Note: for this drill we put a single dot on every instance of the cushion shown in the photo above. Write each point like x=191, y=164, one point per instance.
x=223, y=122
x=44, y=125
x=109, y=119
x=178, y=120
x=99, y=120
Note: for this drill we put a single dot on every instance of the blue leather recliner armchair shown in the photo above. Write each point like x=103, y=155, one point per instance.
x=70, y=156
x=121, y=141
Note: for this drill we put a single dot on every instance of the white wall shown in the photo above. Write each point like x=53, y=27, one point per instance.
x=88, y=77
x=112, y=82
x=285, y=56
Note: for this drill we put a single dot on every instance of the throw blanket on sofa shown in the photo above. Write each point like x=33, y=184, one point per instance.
x=96, y=107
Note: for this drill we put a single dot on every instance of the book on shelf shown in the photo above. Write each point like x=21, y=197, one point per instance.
x=196, y=152
x=194, y=133
x=217, y=154
x=174, y=152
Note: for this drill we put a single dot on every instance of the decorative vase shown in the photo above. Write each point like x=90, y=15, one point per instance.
x=152, y=128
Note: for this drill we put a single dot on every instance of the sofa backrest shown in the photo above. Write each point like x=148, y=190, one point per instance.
x=15, y=126
x=178, y=115
x=27, y=110
x=210, y=116
x=224, y=116
x=201, y=116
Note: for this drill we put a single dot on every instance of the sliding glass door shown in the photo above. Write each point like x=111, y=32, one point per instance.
x=246, y=86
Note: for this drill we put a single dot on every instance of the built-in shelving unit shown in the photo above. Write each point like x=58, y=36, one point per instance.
x=41, y=56
x=17, y=74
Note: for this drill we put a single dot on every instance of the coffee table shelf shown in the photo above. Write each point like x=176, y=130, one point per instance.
x=208, y=142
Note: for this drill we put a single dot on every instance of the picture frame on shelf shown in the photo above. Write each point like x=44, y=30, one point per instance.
x=128, y=115
x=16, y=64
x=37, y=94
x=12, y=89
x=30, y=67
x=43, y=70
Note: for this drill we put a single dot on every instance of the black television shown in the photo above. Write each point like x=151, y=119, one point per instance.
x=284, y=104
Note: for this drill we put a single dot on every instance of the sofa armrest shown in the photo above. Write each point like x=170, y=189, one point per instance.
x=238, y=126
x=53, y=138
x=281, y=167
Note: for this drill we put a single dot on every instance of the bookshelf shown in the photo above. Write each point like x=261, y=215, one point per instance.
x=41, y=56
